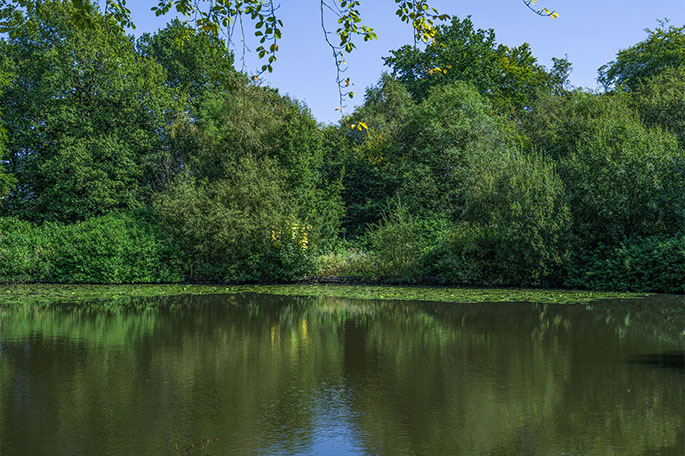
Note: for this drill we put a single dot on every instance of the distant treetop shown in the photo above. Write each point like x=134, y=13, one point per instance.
x=664, y=48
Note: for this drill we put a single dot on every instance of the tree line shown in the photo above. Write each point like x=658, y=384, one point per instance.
x=469, y=163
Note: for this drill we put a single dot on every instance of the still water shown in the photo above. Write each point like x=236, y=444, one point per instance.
x=260, y=374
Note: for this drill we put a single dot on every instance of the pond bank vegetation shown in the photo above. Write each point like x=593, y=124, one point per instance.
x=153, y=160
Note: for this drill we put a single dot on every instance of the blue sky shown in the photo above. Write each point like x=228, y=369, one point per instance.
x=588, y=32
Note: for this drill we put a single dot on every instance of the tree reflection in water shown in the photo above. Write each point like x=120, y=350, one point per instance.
x=285, y=375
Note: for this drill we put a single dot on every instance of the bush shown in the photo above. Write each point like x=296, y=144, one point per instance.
x=655, y=263
x=514, y=225
x=625, y=183
x=25, y=251
x=350, y=261
x=116, y=248
x=400, y=241
x=466, y=257
x=243, y=227
x=90, y=135
x=622, y=179
x=660, y=101
x=111, y=249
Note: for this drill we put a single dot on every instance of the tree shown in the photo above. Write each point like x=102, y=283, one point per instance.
x=195, y=63
x=510, y=77
x=660, y=100
x=6, y=180
x=369, y=160
x=252, y=121
x=453, y=124
x=414, y=151
x=87, y=119
x=622, y=178
x=515, y=225
x=240, y=227
x=664, y=48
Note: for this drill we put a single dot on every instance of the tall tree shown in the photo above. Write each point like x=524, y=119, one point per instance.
x=194, y=62
x=6, y=180
x=622, y=178
x=660, y=100
x=253, y=121
x=415, y=151
x=86, y=118
x=369, y=160
x=664, y=48
x=508, y=76
x=220, y=19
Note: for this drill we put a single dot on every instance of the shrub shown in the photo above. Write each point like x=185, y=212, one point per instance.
x=624, y=182
x=514, y=225
x=344, y=262
x=466, y=257
x=655, y=263
x=111, y=249
x=400, y=241
x=239, y=228
x=116, y=248
x=25, y=251
x=660, y=101
x=622, y=178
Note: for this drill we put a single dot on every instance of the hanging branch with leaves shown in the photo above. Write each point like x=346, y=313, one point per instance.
x=540, y=12
x=417, y=13
x=349, y=26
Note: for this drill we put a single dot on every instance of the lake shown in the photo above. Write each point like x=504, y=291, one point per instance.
x=280, y=375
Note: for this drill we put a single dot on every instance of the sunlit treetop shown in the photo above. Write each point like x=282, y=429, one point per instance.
x=227, y=20
x=663, y=48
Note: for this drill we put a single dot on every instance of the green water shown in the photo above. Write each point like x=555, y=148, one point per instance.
x=264, y=374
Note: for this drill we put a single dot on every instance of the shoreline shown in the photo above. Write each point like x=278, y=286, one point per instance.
x=38, y=293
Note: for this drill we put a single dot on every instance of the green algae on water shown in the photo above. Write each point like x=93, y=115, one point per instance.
x=38, y=293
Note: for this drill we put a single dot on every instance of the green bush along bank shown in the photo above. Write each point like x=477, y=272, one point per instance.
x=115, y=248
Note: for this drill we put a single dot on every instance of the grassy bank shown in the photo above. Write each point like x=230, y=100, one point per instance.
x=37, y=293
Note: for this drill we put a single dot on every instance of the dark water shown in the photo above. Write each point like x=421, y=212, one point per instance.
x=263, y=374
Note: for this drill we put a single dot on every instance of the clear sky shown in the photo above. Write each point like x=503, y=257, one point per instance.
x=588, y=32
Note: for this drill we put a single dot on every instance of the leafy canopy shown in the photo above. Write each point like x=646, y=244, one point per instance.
x=6, y=180
x=664, y=48
x=660, y=100
x=87, y=119
x=508, y=76
x=194, y=62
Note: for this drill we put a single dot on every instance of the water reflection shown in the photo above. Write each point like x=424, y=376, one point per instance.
x=259, y=374
x=669, y=360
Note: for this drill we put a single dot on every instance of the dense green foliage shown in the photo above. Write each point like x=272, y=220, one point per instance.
x=238, y=228
x=664, y=48
x=622, y=178
x=115, y=248
x=515, y=225
x=655, y=263
x=401, y=240
x=86, y=119
x=469, y=164
x=660, y=101
x=417, y=152
x=195, y=63
x=6, y=180
x=509, y=77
